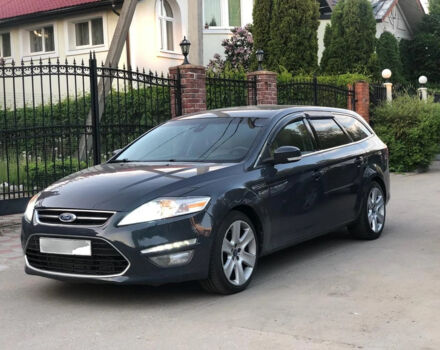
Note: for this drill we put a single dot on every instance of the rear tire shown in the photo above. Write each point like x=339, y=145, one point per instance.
x=234, y=255
x=371, y=220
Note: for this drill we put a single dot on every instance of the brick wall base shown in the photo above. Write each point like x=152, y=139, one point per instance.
x=192, y=89
x=266, y=82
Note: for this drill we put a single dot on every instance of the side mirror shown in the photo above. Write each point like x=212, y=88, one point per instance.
x=286, y=154
x=116, y=151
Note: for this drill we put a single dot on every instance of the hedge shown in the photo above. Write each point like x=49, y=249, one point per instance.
x=340, y=80
x=411, y=129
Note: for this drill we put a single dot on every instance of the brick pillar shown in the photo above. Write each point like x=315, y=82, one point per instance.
x=192, y=89
x=362, y=95
x=266, y=88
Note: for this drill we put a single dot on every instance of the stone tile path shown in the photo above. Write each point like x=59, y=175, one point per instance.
x=11, y=252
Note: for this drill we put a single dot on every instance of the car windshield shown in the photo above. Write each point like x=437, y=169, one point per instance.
x=196, y=140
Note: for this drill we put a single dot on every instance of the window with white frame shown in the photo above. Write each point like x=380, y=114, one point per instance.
x=41, y=40
x=5, y=45
x=89, y=33
x=166, y=25
x=222, y=13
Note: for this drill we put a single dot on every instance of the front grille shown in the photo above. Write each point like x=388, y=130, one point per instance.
x=105, y=259
x=83, y=217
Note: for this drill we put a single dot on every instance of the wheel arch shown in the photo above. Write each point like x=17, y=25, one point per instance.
x=381, y=183
x=253, y=216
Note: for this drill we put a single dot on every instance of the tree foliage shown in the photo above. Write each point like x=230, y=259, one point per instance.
x=293, y=36
x=388, y=56
x=421, y=56
x=238, y=49
x=350, y=39
x=262, y=14
x=434, y=8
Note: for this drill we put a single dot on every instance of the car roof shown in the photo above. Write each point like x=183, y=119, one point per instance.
x=262, y=111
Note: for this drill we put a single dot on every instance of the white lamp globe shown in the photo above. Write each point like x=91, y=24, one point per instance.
x=386, y=74
x=423, y=80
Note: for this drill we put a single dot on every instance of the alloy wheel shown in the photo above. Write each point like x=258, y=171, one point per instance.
x=239, y=252
x=376, y=209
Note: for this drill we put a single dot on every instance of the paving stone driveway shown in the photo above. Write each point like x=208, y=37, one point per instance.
x=10, y=246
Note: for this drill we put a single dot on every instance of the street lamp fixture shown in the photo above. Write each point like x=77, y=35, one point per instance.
x=260, y=58
x=184, y=45
x=386, y=74
x=423, y=90
x=423, y=80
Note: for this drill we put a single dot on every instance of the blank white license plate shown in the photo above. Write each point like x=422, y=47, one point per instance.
x=65, y=246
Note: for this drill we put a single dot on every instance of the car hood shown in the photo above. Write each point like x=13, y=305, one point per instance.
x=124, y=186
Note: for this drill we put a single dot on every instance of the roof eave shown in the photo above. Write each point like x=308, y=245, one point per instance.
x=35, y=17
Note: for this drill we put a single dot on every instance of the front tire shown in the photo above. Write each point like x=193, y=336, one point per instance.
x=371, y=220
x=234, y=255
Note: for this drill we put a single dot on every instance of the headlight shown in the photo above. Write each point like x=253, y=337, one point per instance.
x=29, y=213
x=162, y=208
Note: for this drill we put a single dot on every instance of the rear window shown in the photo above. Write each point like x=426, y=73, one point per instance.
x=354, y=128
x=329, y=133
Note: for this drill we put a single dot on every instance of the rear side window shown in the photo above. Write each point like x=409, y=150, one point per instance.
x=329, y=133
x=354, y=128
x=293, y=134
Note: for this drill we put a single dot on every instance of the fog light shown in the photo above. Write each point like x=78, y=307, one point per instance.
x=173, y=259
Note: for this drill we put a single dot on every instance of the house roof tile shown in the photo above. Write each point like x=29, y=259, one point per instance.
x=17, y=8
x=382, y=7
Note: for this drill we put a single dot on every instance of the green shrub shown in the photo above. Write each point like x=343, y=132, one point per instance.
x=303, y=94
x=293, y=36
x=222, y=93
x=340, y=80
x=43, y=174
x=262, y=16
x=127, y=114
x=411, y=129
x=350, y=39
x=388, y=55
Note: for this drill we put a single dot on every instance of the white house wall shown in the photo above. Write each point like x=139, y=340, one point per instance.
x=144, y=43
x=145, y=38
x=42, y=88
x=213, y=37
x=396, y=24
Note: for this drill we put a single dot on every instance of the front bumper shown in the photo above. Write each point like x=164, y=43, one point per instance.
x=129, y=241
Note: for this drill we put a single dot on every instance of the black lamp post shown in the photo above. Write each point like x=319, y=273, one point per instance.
x=184, y=45
x=260, y=58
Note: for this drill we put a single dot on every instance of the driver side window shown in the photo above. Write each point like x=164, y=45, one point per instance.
x=293, y=134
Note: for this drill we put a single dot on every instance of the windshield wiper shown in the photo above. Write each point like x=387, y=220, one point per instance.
x=124, y=160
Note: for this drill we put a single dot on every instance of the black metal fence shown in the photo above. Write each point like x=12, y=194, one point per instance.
x=222, y=91
x=378, y=94
x=59, y=118
x=310, y=92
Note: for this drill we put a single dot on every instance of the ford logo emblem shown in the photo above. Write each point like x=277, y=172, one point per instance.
x=67, y=217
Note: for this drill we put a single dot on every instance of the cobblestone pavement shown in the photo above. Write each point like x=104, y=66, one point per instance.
x=10, y=246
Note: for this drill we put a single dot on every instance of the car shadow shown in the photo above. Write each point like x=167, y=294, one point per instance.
x=270, y=267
